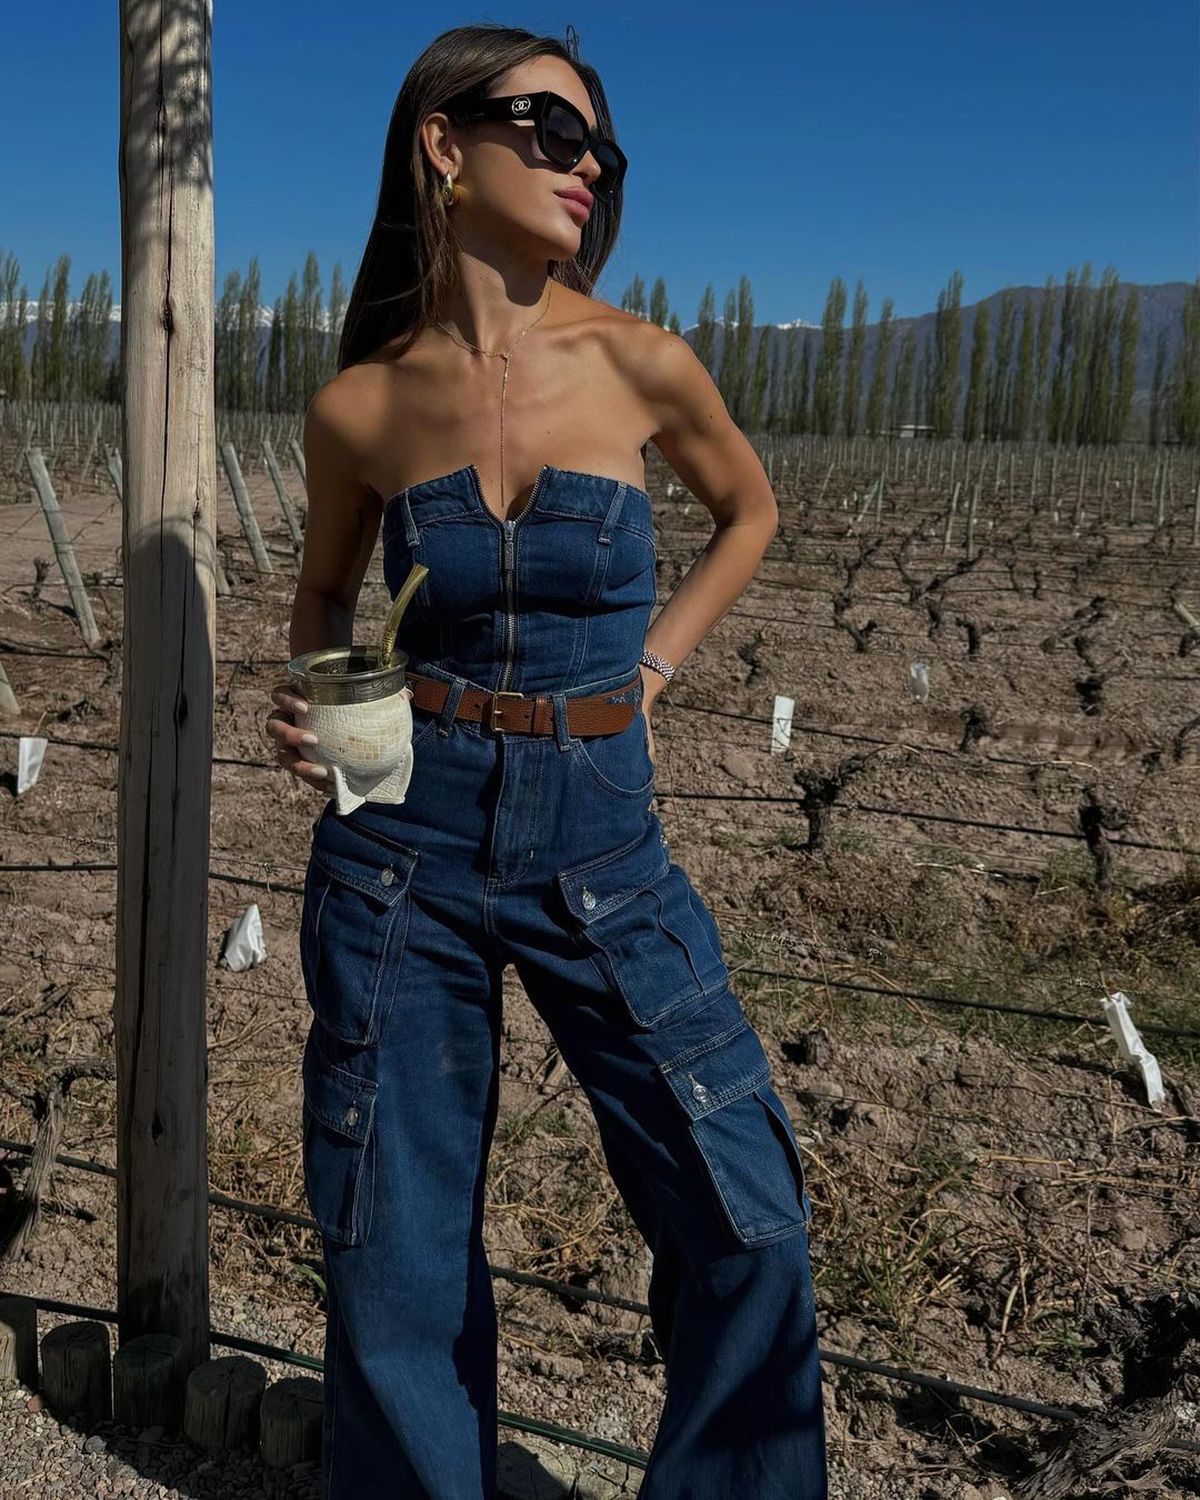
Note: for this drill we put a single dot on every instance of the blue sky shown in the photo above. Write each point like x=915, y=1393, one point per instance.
x=791, y=142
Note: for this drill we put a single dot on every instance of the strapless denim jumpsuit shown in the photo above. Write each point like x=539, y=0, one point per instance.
x=542, y=852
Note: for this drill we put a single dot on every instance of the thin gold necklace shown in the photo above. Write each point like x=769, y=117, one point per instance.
x=503, y=354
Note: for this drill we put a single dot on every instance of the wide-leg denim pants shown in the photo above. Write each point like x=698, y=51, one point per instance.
x=543, y=852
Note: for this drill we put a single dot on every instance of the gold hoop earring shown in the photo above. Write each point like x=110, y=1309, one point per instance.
x=448, y=191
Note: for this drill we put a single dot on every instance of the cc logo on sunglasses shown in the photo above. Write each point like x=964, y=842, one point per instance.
x=519, y=106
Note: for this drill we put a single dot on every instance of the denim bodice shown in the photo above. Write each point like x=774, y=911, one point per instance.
x=557, y=596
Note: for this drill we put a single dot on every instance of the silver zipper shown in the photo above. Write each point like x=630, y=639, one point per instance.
x=508, y=571
x=510, y=617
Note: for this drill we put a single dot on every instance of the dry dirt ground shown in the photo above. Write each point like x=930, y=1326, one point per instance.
x=995, y=1202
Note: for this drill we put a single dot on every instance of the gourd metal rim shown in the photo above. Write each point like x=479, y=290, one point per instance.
x=317, y=675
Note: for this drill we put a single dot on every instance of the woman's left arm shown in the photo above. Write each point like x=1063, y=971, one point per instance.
x=716, y=461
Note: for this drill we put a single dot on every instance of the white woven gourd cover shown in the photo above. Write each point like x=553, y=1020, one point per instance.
x=366, y=746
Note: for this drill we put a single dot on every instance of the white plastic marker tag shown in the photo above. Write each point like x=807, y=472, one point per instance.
x=781, y=723
x=1133, y=1049
x=31, y=750
x=244, y=946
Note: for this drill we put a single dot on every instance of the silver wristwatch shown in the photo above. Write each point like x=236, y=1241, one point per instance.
x=658, y=663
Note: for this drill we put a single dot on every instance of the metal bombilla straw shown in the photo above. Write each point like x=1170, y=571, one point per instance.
x=353, y=674
x=387, y=640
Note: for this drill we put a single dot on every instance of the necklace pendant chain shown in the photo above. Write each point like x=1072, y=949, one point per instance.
x=505, y=355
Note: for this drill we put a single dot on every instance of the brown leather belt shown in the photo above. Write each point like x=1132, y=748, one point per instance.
x=531, y=713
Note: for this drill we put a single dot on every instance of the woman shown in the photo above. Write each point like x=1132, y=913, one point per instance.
x=527, y=836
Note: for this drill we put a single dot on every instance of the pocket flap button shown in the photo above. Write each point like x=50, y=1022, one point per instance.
x=587, y=898
x=387, y=875
x=699, y=1092
x=351, y=1115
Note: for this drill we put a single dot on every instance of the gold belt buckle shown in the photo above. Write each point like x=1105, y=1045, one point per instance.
x=492, y=708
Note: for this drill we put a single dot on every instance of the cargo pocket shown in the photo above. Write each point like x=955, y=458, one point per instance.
x=338, y=1147
x=644, y=928
x=353, y=926
x=742, y=1134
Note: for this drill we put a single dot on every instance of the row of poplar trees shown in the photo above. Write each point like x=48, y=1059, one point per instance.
x=1059, y=364
x=273, y=360
x=1022, y=382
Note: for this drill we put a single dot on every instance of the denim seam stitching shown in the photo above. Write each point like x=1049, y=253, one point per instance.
x=600, y=862
x=681, y=998
x=390, y=961
x=373, y=1033
x=332, y=1392
x=390, y=896
x=364, y=1098
x=602, y=781
x=701, y=1048
x=755, y=1233
x=791, y=1144
x=732, y=1092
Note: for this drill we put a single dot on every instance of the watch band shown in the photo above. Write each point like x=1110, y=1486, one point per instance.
x=658, y=663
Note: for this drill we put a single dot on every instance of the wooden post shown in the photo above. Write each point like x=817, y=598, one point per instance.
x=1160, y=482
x=1054, y=482
x=77, y=1371
x=148, y=1383
x=950, y=517
x=245, y=510
x=8, y=699
x=63, y=549
x=86, y=470
x=289, y=1422
x=164, y=793
x=18, y=1340
x=1196, y=517
x=297, y=453
x=113, y=461
x=285, y=505
x=972, y=506
x=1185, y=614
x=222, y=1402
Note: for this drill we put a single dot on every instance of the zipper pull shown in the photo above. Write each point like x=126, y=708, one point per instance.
x=508, y=545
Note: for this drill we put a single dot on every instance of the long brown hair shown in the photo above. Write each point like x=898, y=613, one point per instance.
x=408, y=266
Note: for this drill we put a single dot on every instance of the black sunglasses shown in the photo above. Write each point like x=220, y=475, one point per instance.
x=562, y=133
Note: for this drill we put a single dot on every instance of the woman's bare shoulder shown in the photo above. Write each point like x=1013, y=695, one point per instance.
x=627, y=342
x=650, y=359
x=341, y=427
x=349, y=408
x=592, y=315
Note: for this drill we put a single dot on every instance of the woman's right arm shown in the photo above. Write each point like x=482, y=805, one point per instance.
x=339, y=538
